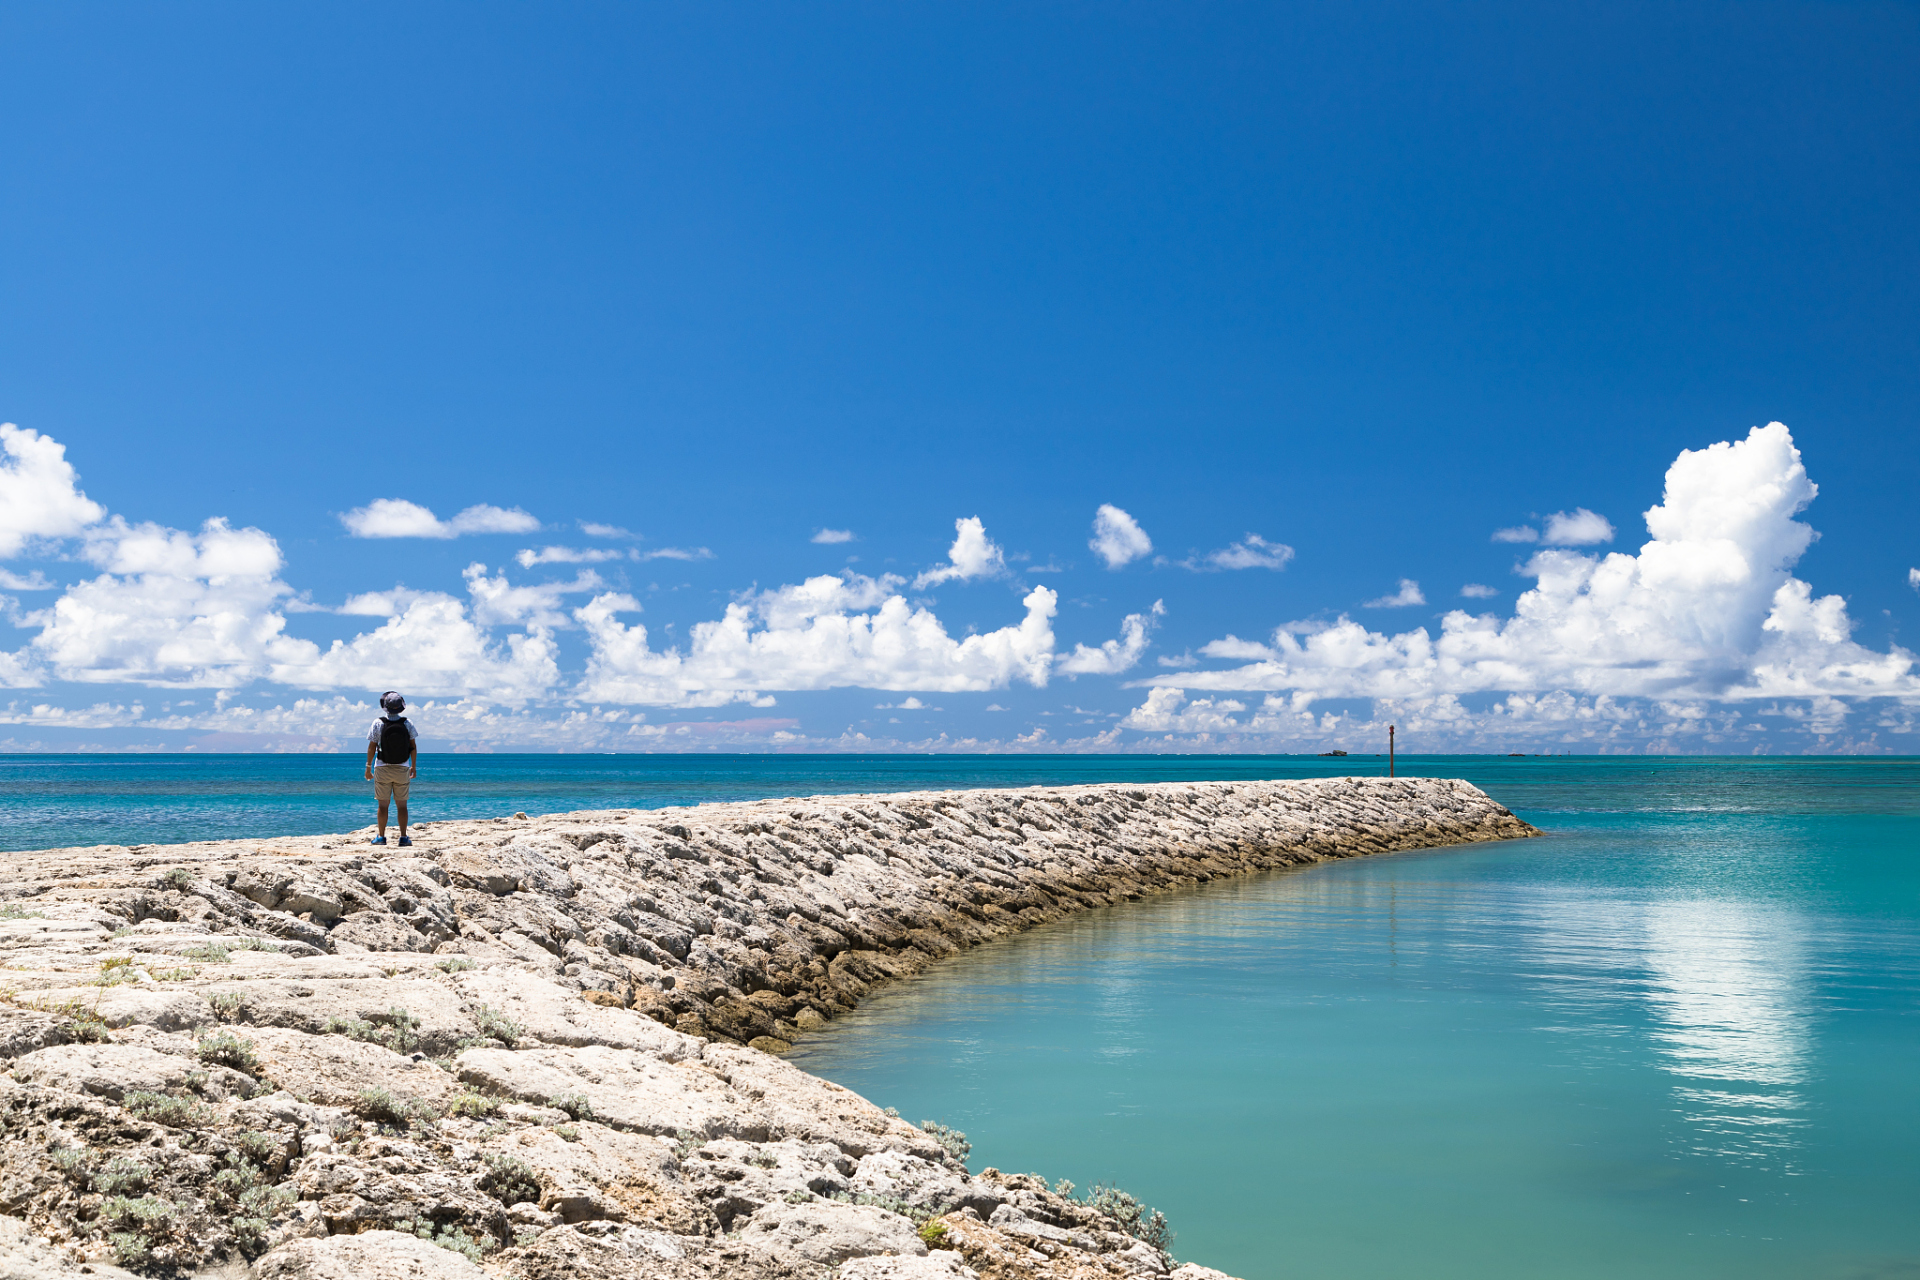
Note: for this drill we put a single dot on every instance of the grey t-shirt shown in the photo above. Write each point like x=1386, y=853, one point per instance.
x=373, y=736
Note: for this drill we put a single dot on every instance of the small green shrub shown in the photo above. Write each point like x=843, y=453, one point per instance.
x=917, y=1214
x=686, y=1141
x=225, y=1049
x=11, y=912
x=179, y=879
x=85, y=1028
x=952, y=1139
x=566, y=1133
x=474, y=1106
x=401, y=1032
x=764, y=1159
x=261, y=1148
x=130, y=1249
x=254, y=944
x=454, y=964
x=237, y=1178
x=134, y=1226
x=576, y=1105
x=452, y=1238
x=226, y=1005
x=115, y=970
x=185, y=973
x=259, y=1206
x=799, y=1197
x=495, y=1025
x=352, y=1028
x=1136, y=1219
x=176, y=1113
x=384, y=1107
x=122, y=1176
x=509, y=1180
x=209, y=953
x=934, y=1235
x=72, y=1162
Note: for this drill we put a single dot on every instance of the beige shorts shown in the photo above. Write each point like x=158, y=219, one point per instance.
x=391, y=780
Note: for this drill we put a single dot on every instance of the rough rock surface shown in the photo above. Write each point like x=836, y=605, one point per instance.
x=546, y=1047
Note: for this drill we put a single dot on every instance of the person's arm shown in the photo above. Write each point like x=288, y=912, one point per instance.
x=413, y=751
x=370, y=751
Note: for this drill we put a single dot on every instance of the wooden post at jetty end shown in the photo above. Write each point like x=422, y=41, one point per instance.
x=1389, y=751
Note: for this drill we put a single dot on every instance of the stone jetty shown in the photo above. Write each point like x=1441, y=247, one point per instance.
x=548, y=1047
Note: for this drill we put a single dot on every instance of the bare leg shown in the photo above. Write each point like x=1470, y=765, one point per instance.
x=383, y=819
x=401, y=805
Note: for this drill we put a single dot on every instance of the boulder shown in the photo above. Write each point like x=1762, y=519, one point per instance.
x=372, y=1255
x=829, y=1232
x=940, y=1264
x=332, y=1070
x=109, y=1071
x=626, y=1089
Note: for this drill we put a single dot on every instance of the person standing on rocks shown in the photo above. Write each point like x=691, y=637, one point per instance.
x=397, y=744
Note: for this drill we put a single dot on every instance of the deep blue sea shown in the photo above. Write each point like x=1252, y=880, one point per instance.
x=1677, y=1037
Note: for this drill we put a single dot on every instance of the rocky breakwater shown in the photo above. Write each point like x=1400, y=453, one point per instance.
x=547, y=1047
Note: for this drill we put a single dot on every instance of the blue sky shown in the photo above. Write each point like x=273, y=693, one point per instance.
x=1367, y=283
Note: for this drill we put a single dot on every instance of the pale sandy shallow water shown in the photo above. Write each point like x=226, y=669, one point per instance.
x=1679, y=1037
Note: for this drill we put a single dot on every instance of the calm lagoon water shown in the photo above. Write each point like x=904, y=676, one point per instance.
x=1677, y=1037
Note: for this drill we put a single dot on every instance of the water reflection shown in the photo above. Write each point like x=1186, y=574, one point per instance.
x=1727, y=986
x=1724, y=991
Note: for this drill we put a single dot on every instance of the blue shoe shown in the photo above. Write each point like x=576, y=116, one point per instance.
x=406, y=839
x=378, y=840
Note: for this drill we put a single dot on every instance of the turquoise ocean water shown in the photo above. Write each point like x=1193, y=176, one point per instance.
x=1677, y=1037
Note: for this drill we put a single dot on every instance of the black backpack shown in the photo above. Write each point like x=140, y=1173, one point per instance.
x=396, y=741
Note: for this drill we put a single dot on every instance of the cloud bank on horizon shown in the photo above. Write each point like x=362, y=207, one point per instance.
x=1691, y=642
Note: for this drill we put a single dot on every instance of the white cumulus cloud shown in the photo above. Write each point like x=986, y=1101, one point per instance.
x=832, y=535
x=527, y=557
x=1409, y=594
x=39, y=492
x=1913, y=579
x=433, y=648
x=1114, y=656
x=832, y=631
x=171, y=608
x=973, y=555
x=1577, y=528
x=398, y=518
x=1479, y=591
x=1118, y=537
x=1518, y=533
x=1251, y=552
x=495, y=601
x=1708, y=609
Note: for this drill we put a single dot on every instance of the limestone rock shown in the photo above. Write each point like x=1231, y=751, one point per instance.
x=626, y=1088
x=332, y=1069
x=940, y=1264
x=106, y=1070
x=167, y=1008
x=830, y=1232
x=597, y=979
x=374, y=1255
